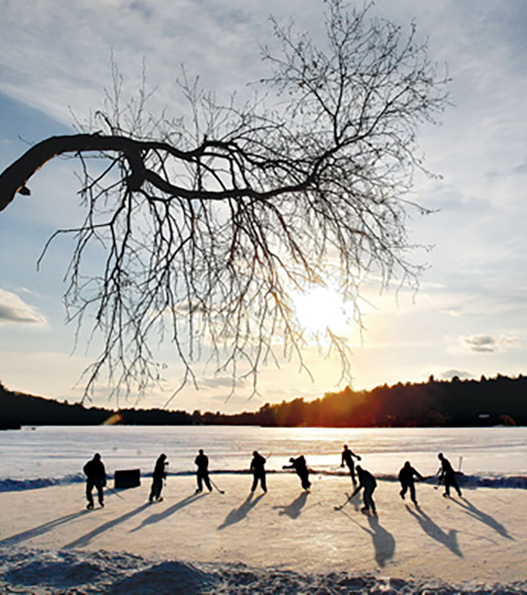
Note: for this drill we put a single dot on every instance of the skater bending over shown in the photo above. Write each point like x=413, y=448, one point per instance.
x=202, y=474
x=368, y=482
x=347, y=458
x=158, y=476
x=447, y=476
x=258, y=471
x=95, y=478
x=299, y=465
x=406, y=477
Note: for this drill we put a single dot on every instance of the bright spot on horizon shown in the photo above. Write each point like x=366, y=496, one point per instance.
x=321, y=308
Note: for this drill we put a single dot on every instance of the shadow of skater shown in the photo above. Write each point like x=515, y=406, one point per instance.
x=160, y=516
x=86, y=539
x=294, y=509
x=41, y=529
x=483, y=517
x=383, y=541
x=449, y=539
x=238, y=514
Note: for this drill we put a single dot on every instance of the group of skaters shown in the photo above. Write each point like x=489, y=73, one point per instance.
x=407, y=476
x=361, y=478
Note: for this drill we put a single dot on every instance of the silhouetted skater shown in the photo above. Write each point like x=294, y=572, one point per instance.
x=202, y=474
x=258, y=471
x=299, y=465
x=368, y=482
x=406, y=477
x=95, y=478
x=347, y=458
x=158, y=476
x=447, y=475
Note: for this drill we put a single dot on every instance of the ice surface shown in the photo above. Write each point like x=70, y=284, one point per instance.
x=219, y=549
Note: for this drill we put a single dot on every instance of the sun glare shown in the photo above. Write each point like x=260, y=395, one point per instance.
x=322, y=308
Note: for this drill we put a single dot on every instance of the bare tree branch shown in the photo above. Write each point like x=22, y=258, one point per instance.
x=209, y=227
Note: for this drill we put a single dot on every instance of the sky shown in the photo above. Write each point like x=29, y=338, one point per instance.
x=469, y=316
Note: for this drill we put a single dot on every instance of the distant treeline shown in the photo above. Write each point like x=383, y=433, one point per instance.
x=500, y=400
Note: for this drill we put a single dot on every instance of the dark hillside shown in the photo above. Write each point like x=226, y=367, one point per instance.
x=464, y=403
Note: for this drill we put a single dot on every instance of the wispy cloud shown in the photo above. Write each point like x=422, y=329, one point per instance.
x=216, y=40
x=13, y=310
x=488, y=343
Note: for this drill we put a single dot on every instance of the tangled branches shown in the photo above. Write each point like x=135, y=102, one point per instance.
x=208, y=228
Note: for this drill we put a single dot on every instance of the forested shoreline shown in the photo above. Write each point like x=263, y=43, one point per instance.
x=495, y=401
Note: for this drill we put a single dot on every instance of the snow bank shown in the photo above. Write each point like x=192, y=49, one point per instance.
x=124, y=574
x=486, y=480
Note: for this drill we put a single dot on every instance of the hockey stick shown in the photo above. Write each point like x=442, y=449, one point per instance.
x=214, y=485
x=341, y=506
x=116, y=493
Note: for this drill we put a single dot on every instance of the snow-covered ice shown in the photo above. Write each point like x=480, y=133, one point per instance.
x=285, y=541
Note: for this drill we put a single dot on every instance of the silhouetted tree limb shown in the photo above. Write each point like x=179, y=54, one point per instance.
x=209, y=225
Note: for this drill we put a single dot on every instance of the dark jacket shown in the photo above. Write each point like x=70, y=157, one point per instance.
x=202, y=461
x=347, y=457
x=298, y=464
x=407, y=474
x=160, y=468
x=95, y=471
x=257, y=464
x=366, y=480
x=447, y=471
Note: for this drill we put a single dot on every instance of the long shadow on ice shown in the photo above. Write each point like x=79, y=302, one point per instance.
x=86, y=539
x=157, y=517
x=449, y=539
x=294, y=509
x=41, y=529
x=383, y=540
x=483, y=517
x=238, y=514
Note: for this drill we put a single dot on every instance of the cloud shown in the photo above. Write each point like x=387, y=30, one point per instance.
x=216, y=40
x=449, y=374
x=488, y=343
x=14, y=310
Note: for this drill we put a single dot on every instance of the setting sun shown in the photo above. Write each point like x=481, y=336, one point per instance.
x=322, y=308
